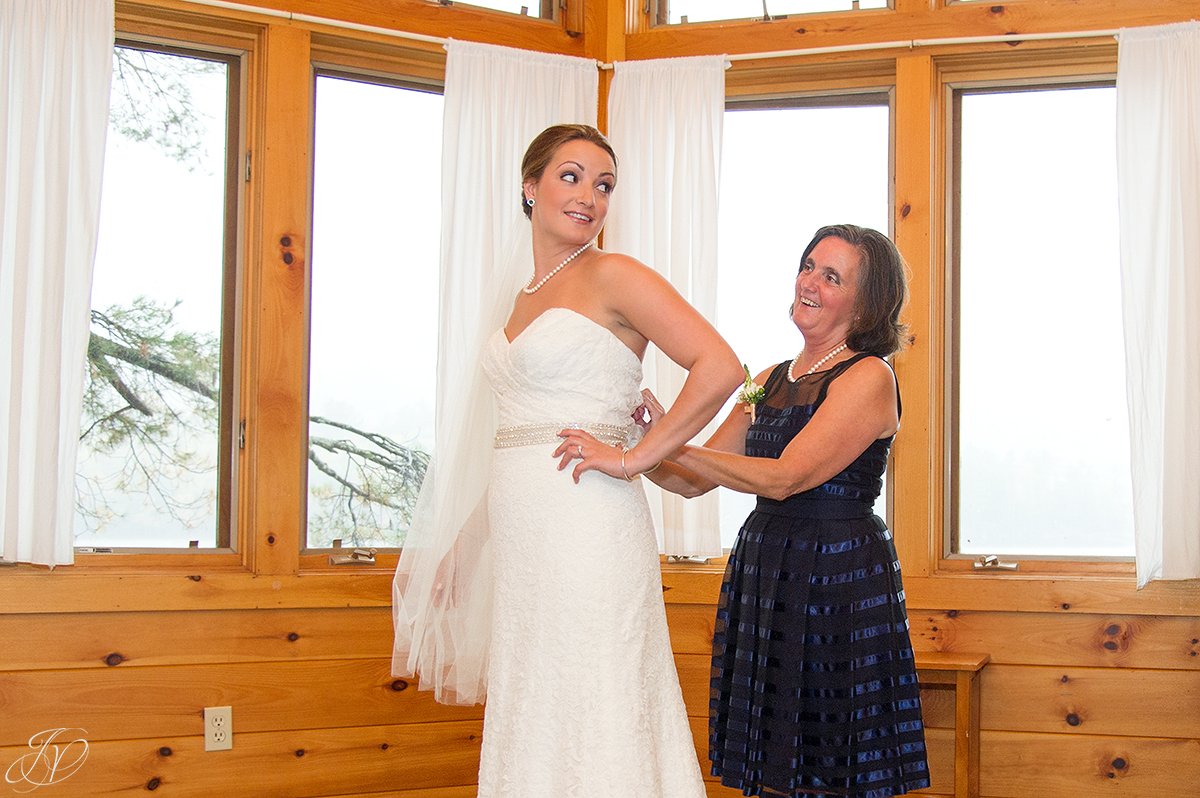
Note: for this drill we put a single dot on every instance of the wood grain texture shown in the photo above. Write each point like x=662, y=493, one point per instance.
x=1101, y=701
x=1125, y=641
x=134, y=639
x=281, y=764
x=168, y=701
x=1020, y=764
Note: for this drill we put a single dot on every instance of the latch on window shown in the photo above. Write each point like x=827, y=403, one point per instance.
x=355, y=557
x=994, y=563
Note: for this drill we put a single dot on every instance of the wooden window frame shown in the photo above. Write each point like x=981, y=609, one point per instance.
x=235, y=49
x=923, y=455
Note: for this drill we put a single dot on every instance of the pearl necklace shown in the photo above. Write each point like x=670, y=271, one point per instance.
x=814, y=366
x=532, y=287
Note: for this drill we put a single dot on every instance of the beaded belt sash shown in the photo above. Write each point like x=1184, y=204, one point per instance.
x=529, y=434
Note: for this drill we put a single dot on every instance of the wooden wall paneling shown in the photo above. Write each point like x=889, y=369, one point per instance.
x=33, y=591
x=1020, y=592
x=105, y=639
x=1102, y=701
x=166, y=702
x=1126, y=641
x=939, y=745
x=281, y=764
x=468, y=791
x=691, y=627
x=1021, y=764
x=693, y=583
x=695, y=674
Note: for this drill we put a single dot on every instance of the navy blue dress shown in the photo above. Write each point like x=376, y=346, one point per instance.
x=814, y=687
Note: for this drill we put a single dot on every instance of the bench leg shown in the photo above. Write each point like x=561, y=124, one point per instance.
x=966, y=735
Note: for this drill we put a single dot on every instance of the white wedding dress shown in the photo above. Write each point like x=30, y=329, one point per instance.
x=583, y=698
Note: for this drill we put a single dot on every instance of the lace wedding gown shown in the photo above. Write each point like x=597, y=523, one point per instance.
x=583, y=698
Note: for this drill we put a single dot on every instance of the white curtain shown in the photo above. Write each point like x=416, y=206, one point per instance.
x=55, y=67
x=1158, y=173
x=665, y=122
x=496, y=100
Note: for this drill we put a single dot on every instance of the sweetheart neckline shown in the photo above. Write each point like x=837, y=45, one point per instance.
x=572, y=312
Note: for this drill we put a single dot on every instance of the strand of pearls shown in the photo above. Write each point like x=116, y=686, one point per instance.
x=814, y=366
x=533, y=287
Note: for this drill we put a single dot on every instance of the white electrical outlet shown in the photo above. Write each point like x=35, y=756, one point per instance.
x=218, y=728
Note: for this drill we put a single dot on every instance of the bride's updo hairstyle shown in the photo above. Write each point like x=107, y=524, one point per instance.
x=882, y=289
x=542, y=149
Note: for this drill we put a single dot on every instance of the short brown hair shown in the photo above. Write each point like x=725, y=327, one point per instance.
x=882, y=289
x=545, y=144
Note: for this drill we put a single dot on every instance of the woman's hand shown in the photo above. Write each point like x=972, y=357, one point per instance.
x=591, y=454
x=649, y=411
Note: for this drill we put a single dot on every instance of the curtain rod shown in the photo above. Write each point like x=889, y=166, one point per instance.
x=903, y=44
x=912, y=44
x=333, y=23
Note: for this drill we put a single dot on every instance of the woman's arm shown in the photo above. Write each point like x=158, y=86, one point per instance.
x=644, y=307
x=729, y=437
x=860, y=408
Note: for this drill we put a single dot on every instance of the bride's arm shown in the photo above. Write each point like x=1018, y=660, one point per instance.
x=647, y=307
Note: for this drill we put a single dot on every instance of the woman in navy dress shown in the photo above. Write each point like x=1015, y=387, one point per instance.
x=814, y=688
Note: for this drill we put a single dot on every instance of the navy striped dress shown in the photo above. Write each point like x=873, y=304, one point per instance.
x=814, y=688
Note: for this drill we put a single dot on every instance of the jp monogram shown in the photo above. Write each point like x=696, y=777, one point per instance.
x=56, y=756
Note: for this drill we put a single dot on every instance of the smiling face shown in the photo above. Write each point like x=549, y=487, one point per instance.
x=826, y=298
x=571, y=195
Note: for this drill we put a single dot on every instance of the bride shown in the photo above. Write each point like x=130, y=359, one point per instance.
x=548, y=596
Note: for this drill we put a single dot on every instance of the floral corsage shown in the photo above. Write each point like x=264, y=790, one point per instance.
x=751, y=393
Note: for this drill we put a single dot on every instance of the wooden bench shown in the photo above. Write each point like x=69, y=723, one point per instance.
x=960, y=671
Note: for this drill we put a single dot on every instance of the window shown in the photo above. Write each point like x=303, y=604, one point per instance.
x=374, y=300
x=787, y=170
x=674, y=12
x=529, y=8
x=1040, y=460
x=155, y=467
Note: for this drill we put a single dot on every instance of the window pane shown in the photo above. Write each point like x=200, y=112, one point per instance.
x=711, y=10
x=149, y=456
x=373, y=341
x=785, y=172
x=1043, y=463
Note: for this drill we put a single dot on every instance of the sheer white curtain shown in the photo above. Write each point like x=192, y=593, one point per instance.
x=496, y=100
x=1158, y=173
x=665, y=121
x=55, y=67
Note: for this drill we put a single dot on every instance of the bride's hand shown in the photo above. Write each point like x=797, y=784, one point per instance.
x=445, y=582
x=591, y=454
